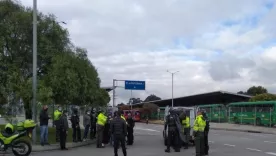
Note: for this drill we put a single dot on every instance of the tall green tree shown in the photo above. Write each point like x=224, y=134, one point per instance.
x=152, y=97
x=255, y=90
x=263, y=97
x=65, y=73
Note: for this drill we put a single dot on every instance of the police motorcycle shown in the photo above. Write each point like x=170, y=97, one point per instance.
x=191, y=112
x=16, y=139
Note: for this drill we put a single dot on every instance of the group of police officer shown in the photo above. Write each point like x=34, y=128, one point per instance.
x=118, y=127
x=102, y=127
x=178, y=125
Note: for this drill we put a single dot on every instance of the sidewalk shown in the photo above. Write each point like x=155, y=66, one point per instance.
x=38, y=148
x=242, y=128
x=231, y=127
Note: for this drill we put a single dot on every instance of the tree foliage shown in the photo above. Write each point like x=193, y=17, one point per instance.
x=263, y=97
x=149, y=108
x=65, y=74
x=254, y=90
x=134, y=100
x=152, y=97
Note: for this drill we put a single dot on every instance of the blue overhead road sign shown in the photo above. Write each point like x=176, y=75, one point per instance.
x=135, y=85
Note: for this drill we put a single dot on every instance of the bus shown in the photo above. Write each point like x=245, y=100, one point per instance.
x=215, y=112
x=256, y=113
x=136, y=115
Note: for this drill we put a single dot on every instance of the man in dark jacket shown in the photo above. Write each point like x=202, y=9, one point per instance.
x=75, y=120
x=206, y=133
x=119, y=131
x=63, y=130
x=130, y=126
x=93, y=124
x=44, y=119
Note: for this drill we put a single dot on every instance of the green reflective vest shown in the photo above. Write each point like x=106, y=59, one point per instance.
x=101, y=119
x=199, y=124
x=57, y=115
x=186, y=122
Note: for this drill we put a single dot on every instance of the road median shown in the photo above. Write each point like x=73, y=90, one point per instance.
x=230, y=127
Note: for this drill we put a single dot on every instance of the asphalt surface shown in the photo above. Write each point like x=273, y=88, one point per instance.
x=149, y=142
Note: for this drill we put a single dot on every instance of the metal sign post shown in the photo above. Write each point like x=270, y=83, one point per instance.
x=129, y=85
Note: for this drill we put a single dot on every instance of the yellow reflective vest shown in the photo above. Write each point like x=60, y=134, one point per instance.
x=101, y=119
x=186, y=122
x=199, y=124
x=123, y=118
x=57, y=115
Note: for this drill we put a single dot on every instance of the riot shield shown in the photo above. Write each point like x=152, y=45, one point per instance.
x=179, y=129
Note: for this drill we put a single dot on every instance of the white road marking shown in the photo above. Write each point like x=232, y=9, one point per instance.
x=270, y=153
x=145, y=129
x=272, y=142
x=229, y=145
x=211, y=142
x=253, y=149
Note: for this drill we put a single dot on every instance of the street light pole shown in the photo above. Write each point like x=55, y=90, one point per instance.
x=172, y=82
x=34, y=87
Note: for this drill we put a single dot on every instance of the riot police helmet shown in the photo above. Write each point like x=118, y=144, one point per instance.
x=75, y=111
x=171, y=110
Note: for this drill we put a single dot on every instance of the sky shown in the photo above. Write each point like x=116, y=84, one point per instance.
x=215, y=45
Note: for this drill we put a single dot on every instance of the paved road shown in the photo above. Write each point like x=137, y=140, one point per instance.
x=149, y=142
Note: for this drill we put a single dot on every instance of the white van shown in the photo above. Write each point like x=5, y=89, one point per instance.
x=191, y=112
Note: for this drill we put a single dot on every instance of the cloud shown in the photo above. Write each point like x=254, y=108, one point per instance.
x=216, y=45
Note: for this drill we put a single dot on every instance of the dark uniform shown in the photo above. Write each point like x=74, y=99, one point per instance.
x=206, y=132
x=75, y=120
x=173, y=134
x=93, y=121
x=63, y=130
x=119, y=131
x=106, y=132
x=130, y=126
x=199, y=126
x=57, y=115
x=185, y=121
x=101, y=121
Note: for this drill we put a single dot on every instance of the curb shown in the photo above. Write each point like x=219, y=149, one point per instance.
x=226, y=129
x=238, y=130
x=56, y=146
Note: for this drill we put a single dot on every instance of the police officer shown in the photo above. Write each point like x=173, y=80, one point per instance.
x=57, y=115
x=75, y=120
x=206, y=132
x=63, y=130
x=130, y=126
x=106, y=132
x=186, y=129
x=199, y=126
x=119, y=132
x=93, y=124
x=173, y=134
x=101, y=121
